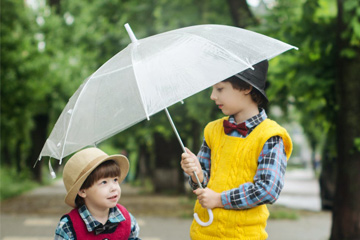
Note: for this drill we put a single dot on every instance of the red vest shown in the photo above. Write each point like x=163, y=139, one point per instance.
x=122, y=231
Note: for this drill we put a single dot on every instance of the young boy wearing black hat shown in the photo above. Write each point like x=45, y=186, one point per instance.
x=241, y=162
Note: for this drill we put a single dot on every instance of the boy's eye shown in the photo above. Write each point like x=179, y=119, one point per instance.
x=116, y=179
x=219, y=89
x=103, y=182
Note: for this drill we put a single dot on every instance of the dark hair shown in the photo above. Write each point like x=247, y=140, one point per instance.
x=106, y=169
x=255, y=94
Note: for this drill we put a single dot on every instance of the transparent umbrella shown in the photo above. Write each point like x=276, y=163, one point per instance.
x=150, y=75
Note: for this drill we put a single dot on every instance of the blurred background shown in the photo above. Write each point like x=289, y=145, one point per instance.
x=48, y=48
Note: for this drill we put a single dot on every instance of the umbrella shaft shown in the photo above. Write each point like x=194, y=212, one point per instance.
x=198, y=181
x=175, y=130
x=180, y=141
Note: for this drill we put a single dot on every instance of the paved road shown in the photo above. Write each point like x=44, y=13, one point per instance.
x=42, y=208
x=301, y=191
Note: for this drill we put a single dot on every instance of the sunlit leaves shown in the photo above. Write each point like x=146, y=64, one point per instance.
x=305, y=78
x=351, y=22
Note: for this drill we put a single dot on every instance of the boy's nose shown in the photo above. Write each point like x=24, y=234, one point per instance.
x=114, y=186
x=212, y=96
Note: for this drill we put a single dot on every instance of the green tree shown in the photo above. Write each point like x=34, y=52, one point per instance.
x=79, y=36
x=321, y=80
x=346, y=213
x=306, y=79
x=22, y=88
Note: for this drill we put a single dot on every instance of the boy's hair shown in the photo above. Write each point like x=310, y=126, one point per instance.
x=239, y=84
x=104, y=170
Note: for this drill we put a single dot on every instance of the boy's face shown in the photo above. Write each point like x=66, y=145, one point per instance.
x=103, y=194
x=231, y=101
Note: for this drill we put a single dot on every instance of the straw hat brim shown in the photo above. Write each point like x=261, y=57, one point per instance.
x=121, y=160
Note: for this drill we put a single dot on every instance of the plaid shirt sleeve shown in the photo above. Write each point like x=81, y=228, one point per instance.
x=135, y=229
x=268, y=180
x=63, y=230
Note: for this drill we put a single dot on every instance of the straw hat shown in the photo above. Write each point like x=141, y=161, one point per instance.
x=256, y=77
x=81, y=164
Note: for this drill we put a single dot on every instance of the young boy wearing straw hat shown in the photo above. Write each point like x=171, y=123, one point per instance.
x=241, y=162
x=92, y=181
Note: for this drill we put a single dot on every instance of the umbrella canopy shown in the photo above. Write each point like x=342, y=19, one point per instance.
x=152, y=74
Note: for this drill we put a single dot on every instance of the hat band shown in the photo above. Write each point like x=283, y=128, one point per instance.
x=90, y=166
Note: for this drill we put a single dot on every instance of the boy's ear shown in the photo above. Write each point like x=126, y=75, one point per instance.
x=82, y=193
x=247, y=91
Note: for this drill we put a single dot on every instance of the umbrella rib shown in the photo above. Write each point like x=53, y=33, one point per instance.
x=71, y=117
x=114, y=71
x=80, y=94
x=137, y=83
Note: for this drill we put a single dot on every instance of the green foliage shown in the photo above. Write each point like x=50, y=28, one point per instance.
x=284, y=214
x=13, y=183
x=351, y=34
x=22, y=89
x=305, y=78
x=39, y=74
x=357, y=144
x=48, y=52
x=146, y=19
x=278, y=213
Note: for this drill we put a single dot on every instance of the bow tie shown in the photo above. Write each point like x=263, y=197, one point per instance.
x=108, y=226
x=229, y=127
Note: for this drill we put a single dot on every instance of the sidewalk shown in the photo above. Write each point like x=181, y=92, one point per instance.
x=301, y=191
x=34, y=216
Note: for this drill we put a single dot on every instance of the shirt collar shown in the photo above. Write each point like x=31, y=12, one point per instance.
x=91, y=223
x=253, y=121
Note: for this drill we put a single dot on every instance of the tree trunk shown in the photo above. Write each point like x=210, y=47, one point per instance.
x=196, y=131
x=241, y=13
x=18, y=157
x=143, y=165
x=327, y=178
x=5, y=157
x=346, y=212
x=166, y=174
x=56, y=5
x=38, y=138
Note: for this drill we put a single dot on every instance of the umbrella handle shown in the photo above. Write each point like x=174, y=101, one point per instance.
x=204, y=224
x=196, y=217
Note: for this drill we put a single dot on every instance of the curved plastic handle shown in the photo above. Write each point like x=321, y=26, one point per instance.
x=204, y=224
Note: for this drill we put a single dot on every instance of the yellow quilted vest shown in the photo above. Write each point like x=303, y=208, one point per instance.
x=234, y=161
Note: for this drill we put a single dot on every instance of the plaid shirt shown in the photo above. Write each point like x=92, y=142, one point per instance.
x=65, y=231
x=269, y=177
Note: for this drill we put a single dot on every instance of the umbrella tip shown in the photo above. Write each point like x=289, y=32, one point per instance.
x=38, y=160
x=131, y=33
x=52, y=172
x=53, y=175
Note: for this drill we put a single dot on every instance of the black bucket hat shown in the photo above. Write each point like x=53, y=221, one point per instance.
x=256, y=77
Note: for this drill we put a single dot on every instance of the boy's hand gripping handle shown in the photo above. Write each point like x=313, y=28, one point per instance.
x=196, y=217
